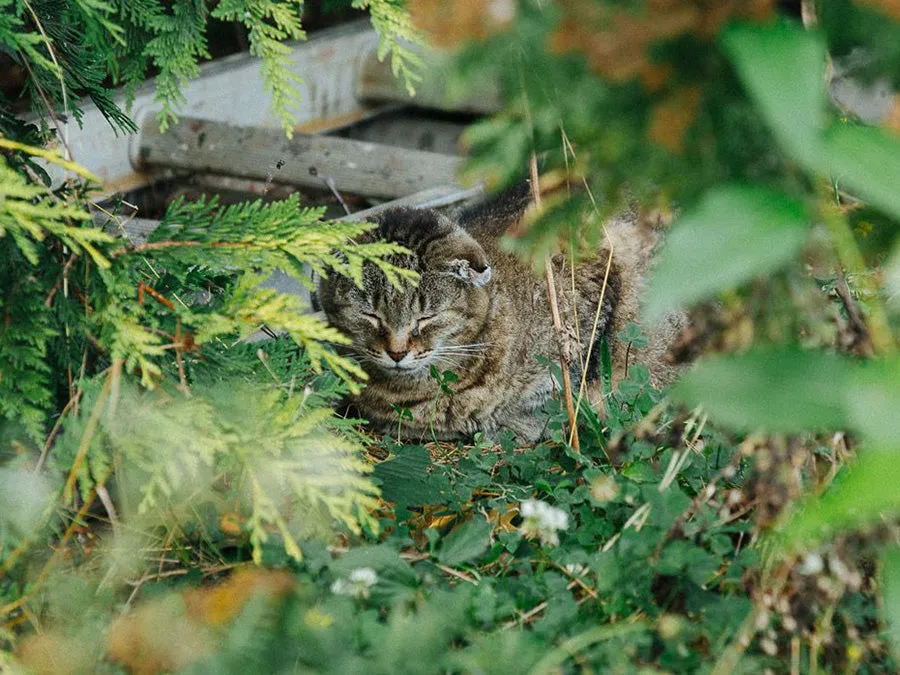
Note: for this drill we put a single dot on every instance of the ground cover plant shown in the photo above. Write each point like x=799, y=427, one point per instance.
x=173, y=498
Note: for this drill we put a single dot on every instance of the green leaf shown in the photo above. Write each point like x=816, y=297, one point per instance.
x=788, y=390
x=890, y=581
x=640, y=472
x=867, y=160
x=736, y=233
x=873, y=399
x=404, y=479
x=865, y=493
x=782, y=66
x=465, y=543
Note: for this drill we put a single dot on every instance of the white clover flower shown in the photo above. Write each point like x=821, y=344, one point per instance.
x=542, y=521
x=812, y=564
x=358, y=585
x=604, y=489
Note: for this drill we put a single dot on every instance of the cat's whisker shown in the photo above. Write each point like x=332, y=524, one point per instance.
x=473, y=350
x=457, y=357
x=461, y=352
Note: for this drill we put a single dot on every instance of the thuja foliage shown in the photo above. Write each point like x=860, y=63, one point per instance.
x=744, y=521
x=129, y=378
x=70, y=49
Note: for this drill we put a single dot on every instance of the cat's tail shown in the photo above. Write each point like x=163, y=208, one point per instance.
x=498, y=213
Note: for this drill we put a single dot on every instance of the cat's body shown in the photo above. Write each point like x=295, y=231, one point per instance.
x=480, y=312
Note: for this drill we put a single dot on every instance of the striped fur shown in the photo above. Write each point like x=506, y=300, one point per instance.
x=481, y=313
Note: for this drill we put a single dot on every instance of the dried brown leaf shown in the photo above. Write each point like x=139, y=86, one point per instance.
x=671, y=119
x=451, y=22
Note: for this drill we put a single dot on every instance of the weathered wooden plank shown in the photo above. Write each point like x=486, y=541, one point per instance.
x=231, y=90
x=253, y=152
x=409, y=130
x=376, y=84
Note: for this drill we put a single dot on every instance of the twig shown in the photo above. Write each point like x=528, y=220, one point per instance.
x=456, y=573
x=170, y=243
x=862, y=339
x=808, y=13
x=564, y=356
x=107, y=502
x=330, y=183
x=65, y=271
x=179, y=360
x=156, y=295
x=55, y=430
x=86, y=439
x=601, y=409
x=527, y=616
x=851, y=260
x=64, y=133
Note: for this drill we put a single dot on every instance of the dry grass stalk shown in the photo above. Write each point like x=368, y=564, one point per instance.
x=564, y=356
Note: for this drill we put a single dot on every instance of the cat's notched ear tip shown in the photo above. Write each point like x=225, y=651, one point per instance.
x=465, y=270
x=480, y=278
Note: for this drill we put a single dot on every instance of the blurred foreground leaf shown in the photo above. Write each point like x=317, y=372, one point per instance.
x=873, y=401
x=786, y=390
x=24, y=497
x=791, y=97
x=890, y=581
x=867, y=160
x=864, y=494
x=735, y=233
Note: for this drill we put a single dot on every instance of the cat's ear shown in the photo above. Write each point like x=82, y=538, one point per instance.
x=468, y=271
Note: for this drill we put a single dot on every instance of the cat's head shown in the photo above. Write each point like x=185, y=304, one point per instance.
x=402, y=332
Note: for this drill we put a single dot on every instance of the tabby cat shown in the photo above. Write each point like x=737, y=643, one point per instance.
x=480, y=312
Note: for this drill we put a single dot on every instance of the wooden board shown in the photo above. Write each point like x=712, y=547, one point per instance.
x=357, y=167
x=406, y=129
x=231, y=90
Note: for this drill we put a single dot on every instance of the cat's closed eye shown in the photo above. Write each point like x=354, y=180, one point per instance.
x=422, y=322
x=373, y=319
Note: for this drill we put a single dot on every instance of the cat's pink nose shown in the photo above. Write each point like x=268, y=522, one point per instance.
x=397, y=356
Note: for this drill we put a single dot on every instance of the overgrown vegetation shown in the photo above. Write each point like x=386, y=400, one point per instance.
x=745, y=521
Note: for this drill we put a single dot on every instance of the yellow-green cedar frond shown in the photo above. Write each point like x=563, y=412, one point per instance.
x=269, y=23
x=293, y=470
x=178, y=42
x=97, y=24
x=29, y=213
x=135, y=345
x=252, y=307
x=396, y=32
x=295, y=455
x=17, y=39
x=172, y=443
x=265, y=236
x=377, y=253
